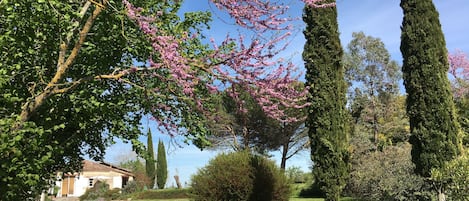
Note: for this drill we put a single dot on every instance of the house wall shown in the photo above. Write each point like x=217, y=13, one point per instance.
x=81, y=185
x=58, y=183
x=116, y=182
x=82, y=182
x=113, y=179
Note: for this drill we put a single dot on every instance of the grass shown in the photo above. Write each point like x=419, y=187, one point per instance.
x=318, y=199
x=164, y=199
x=291, y=199
x=164, y=194
x=181, y=195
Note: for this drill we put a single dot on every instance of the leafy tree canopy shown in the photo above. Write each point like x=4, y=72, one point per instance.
x=88, y=75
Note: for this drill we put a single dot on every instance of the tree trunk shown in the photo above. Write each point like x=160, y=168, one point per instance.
x=178, y=183
x=43, y=196
x=441, y=195
x=375, y=128
x=284, y=156
x=375, y=117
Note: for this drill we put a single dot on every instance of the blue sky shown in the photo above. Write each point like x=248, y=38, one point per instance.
x=377, y=18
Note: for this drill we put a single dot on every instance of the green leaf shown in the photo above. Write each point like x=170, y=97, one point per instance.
x=18, y=138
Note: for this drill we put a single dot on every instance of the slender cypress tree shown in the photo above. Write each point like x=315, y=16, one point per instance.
x=150, y=160
x=435, y=132
x=161, y=166
x=327, y=118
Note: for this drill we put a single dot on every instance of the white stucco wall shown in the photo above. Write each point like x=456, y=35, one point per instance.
x=81, y=184
x=116, y=182
x=58, y=184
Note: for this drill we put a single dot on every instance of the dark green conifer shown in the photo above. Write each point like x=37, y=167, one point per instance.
x=327, y=116
x=161, y=166
x=435, y=132
x=150, y=160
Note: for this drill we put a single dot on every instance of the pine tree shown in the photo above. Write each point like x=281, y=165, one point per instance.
x=161, y=166
x=327, y=116
x=150, y=160
x=435, y=132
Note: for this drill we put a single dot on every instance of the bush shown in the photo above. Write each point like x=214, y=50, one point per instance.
x=100, y=191
x=130, y=187
x=386, y=175
x=313, y=190
x=453, y=177
x=296, y=176
x=240, y=176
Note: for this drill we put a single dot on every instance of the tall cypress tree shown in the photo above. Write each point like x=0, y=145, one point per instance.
x=435, y=132
x=161, y=166
x=150, y=160
x=327, y=118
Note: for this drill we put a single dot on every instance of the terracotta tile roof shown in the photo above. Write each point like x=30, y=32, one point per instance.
x=104, y=167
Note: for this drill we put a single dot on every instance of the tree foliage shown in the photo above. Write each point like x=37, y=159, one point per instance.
x=462, y=105
x=72, y=85
x=384, y=175
x=161, y=166
x=47, y=125
x=459, y=70
x=251, y=128
x=327, y=116
x=436, y=134
x=140, y=177
x=453, y=177
x=244, y=127
x=373, y=83
x=150, y=162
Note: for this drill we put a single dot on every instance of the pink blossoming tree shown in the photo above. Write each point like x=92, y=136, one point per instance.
x=88, y=75
x=251, y=65
x=459, y=70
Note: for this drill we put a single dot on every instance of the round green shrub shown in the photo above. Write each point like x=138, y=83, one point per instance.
x=100, y=191
x=240, y=176
x=97, y=191
x=130, y=187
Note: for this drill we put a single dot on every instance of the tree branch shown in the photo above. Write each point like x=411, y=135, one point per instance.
x=63, y=65
x=76, y=49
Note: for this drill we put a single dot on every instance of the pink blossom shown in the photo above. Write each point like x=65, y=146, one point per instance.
x=459, y=69
x=251, y=64
x=318, y=3
x=256, y=14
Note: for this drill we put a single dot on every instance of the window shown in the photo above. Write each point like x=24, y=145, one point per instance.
x=91, y=182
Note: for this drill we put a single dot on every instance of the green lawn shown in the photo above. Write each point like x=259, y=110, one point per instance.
x=318, y=199
x=179, y=194
x=165, y=199
x=292, y=199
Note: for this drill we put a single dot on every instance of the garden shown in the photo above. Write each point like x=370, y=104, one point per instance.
x=77, y=76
